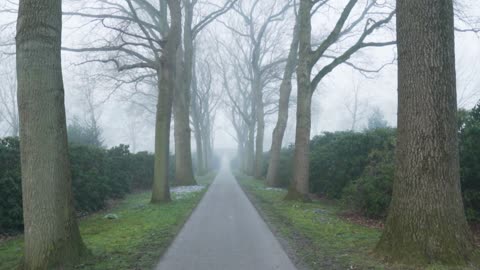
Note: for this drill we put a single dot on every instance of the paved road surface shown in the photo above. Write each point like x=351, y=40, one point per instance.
x=225, y=232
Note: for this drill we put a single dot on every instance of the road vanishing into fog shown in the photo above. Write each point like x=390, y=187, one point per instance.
x=225, y=232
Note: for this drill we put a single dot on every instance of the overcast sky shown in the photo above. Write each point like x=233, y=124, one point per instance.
x=118, y=116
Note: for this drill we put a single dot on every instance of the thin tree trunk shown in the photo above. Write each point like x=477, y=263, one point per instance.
x=279, y=130
x=426, y=221
x=200, y=153
x=198, y=140
x=259, y=111
x=258, y=166
x=206, y=149
x=250, y=151
x=160, y=189
x=241, y=155
x=197, y=123
x=52, y=237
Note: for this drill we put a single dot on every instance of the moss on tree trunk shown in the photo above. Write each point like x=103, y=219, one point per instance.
x=52, y=237
x=426, y=221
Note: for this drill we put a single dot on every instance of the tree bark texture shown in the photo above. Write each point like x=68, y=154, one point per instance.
x=201, y=168
x=183, y=150
x=426, y=221
x=301, y=165
x=166, y=74
x=260, y=118
x=279, y=130
x=52, y=237
x=300, y=183
x=207, y=144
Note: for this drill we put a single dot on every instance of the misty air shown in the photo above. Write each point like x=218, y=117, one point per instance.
x=239, y=134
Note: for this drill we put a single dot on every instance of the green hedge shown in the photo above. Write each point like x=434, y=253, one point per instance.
x=469, y=130
x=97, y=176
x=357, y=168
x=337, y=158
x=11, y=215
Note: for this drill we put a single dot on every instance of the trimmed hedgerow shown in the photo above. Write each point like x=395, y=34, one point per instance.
x=97, y=175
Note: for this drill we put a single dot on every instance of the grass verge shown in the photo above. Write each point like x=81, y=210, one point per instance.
x=316, y=235
x=135, y=240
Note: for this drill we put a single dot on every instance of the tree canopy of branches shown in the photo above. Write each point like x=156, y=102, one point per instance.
x=370, y=17
x=140, y=35
x=257, y=36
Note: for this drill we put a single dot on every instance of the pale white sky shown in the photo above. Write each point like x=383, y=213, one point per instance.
x=329, y=112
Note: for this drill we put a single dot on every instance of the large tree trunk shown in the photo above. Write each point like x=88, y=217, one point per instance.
x=279, y=130
x=299, y=186
x=183, y=150
x=426, y=221
x=52, y=237
x=166, y=85
x=301, y=164
x=160, y=189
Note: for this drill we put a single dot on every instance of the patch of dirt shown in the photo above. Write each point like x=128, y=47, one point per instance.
x=321, y=198
x=475, y=227
x=357, y=218
x=6, y=237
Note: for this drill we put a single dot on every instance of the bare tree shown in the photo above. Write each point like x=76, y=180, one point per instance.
x=204, y=105
x=374, y=16
x=141, y=28
x=283, y=106
x=257, y=48
x=242, y=118
x=92, y=115
x=134, y=126
x=167, y=75
x=183, y=153
x=52, y=237
x=355, y=107
x=240, y=100
x=144, y=39
x=260, y=48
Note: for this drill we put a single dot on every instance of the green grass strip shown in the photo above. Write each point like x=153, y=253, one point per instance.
x=135, y=240
x=317, y=236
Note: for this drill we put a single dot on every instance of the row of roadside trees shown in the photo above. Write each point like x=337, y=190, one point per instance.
x=426, y=220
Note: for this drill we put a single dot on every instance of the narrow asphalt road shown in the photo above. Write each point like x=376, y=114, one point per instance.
x=225, y=232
